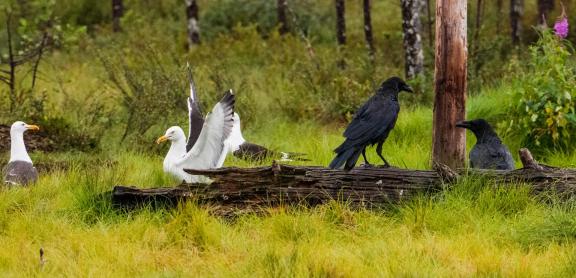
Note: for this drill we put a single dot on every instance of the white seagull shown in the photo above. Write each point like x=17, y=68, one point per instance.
x=235, y=144
x=20, y=170
x=208, y=147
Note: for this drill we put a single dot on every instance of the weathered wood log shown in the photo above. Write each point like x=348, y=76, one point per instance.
x=311, y=185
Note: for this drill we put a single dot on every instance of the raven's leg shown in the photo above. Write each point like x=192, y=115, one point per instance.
x=366, y=163
x=379, y=152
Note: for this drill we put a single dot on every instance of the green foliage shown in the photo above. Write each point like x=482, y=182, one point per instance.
x=545, y=114
x=223, y=17
x=151, y=90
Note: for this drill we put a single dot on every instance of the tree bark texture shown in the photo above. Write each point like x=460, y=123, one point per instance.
x=449, y=142
x=516, y=12
x=245, y=188
x=281, y=9
x=192, y=22
x=117, y=13
x=367, y=8
x=544, y=8
x=411, y=27
x=340, y=22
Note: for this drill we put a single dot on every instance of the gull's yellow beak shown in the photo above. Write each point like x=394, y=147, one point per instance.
x=32, y=127
x=161, y=139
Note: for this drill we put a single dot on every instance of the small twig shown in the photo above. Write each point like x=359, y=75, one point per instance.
x=528, y=160
x=37, y=63
x=42, y=260
x=446, y=174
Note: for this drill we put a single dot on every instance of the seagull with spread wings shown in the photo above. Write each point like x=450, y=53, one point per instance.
x=235, y=144
x=208, y=150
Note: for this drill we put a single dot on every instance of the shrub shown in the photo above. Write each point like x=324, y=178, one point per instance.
x=152, y=91
x=544, y=114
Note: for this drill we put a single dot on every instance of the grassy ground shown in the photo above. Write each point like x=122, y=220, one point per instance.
x=474, y=228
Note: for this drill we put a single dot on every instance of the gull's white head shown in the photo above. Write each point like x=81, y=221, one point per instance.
x=173, y=134
x=20, y=127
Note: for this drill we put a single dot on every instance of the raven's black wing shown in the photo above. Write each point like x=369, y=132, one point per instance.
x=491, y=155
x=373, y=120
x=195, y=116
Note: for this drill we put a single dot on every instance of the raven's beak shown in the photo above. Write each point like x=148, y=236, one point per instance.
x=32, y=127
x=161, y=139
x=463, y=124
x=407, y=88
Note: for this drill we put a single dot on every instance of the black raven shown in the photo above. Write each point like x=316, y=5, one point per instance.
x=489, y=151
x=371, y=124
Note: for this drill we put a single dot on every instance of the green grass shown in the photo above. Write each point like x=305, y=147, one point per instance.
x=474, y=228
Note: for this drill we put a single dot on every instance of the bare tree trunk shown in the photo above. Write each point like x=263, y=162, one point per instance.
x=429, y=21
x=192, y=20
x=475, y=45
x=414, y=56
x=254, y=189
x=12, y=63
x=281, y=9
x=117, y=13
x=544, y=8
x=340, y=22
x=516, y=11
x=368, y=29
x=341, y=29
x=499, y=7
x=449, y=142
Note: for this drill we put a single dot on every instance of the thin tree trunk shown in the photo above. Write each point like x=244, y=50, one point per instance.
x=414, y=56
x=368, y=29
x=449, y=142
x=499, y=7
x=192, y=20
x=544, y=8
x=429, y=21
x=341, y=31
x=12, y=63
x=476, y=39
x=117, y=13
x=340, y=22
x=281, y=9
x=516, y=11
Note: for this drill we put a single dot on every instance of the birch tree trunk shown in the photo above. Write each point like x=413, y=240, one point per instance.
x=282, y=6
x=411, y=27
x=368, y=29
x=192, y=22
x=516, y=11
x=449, y=142
x=117, y=13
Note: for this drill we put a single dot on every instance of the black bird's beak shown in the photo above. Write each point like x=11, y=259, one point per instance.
x=407, y=88
x=463, y=124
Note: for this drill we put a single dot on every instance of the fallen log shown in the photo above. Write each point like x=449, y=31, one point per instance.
x=311, y=185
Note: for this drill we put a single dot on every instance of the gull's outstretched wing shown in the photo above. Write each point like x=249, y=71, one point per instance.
x=195, y=116
x=207, y=151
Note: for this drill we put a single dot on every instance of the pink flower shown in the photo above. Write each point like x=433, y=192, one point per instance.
x=561, y=27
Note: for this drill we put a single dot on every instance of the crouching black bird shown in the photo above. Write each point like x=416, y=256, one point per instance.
x=371, y=124
x=489, y=151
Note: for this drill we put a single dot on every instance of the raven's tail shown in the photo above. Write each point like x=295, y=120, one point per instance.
x=343, y=157
x=352, y=160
